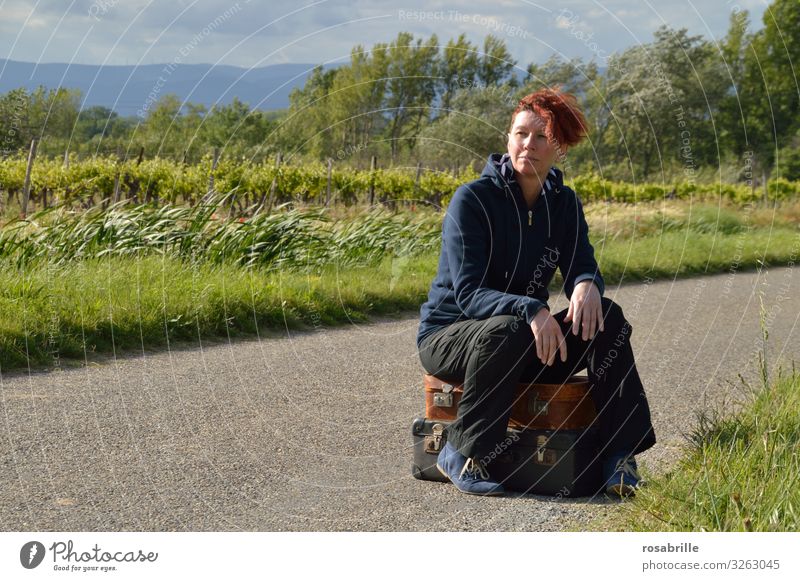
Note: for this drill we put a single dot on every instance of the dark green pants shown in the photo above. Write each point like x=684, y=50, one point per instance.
x=491, y=356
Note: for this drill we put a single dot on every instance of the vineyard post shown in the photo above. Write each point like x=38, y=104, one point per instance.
x=274, y=185
x=133, y=190
x=372, y=163
x=211, y=175
x=26, y=188
x=116, y=186
x=328, y=189
x=416, y=181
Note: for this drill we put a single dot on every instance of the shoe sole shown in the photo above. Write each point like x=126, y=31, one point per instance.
x=621, y=490
x=497, y=493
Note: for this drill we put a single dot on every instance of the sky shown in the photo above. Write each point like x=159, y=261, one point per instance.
x=252, y=33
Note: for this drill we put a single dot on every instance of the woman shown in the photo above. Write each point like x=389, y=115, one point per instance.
x=487, y=323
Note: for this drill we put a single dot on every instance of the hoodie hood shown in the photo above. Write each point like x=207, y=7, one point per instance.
x=501, y=171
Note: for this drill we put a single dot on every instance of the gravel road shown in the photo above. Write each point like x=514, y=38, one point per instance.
x=310, y=430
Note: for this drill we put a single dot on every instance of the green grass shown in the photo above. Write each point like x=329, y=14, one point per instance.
x=134, y=278
x=741, y=472
x=51, y=313
x=674, y=254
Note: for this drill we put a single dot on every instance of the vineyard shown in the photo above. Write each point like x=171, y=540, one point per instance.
x=254, y=186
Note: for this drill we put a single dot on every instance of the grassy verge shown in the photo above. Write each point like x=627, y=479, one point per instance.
x=740, y=473
x=54, y=313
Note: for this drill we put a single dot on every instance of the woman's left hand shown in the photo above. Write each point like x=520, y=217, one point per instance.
x=585, y=307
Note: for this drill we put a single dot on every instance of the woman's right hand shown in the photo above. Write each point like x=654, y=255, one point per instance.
x=548, y=337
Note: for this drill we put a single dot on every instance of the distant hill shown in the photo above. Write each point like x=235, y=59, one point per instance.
x=127, y=89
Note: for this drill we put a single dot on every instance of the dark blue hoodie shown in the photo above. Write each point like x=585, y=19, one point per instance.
x=498, y=257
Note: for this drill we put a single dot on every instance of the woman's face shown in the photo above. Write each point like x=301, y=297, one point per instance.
x=532, y=153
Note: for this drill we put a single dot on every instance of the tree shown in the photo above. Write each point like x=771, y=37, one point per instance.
x=458, y=68
x=411, y=88
x=733, y=49
x=355, y=103
x=476, y=126
x=662, y=98
x=770, y=92
x=161, y=131
x=304, y=127
x=496, y=64
x=96, y=120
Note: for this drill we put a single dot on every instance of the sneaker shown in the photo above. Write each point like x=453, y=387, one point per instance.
x=622, y=478
x=468, y=474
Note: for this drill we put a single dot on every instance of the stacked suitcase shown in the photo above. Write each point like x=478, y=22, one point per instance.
x=550, y=446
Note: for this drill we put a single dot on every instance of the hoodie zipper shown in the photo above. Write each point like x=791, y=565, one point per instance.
x=530, y=217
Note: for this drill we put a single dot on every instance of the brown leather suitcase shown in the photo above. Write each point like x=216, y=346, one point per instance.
x=541, y=406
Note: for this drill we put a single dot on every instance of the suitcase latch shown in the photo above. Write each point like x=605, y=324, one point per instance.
x=443, y=400
x=433, y=443
x=544, y=455
x=538, y=406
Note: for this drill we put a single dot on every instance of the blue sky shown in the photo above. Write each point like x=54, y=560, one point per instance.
x=258, y=33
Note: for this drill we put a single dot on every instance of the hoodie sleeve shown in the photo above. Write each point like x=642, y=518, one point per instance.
x=577, y=262
x=466, y=236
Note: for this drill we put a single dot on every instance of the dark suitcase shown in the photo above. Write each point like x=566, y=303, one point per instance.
x=543, y=406
x=554, y=462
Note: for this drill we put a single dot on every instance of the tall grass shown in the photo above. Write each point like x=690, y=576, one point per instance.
x=288, y=238
x=741, y=468
x=741, y=472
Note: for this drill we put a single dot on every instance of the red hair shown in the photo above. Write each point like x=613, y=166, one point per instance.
x=566, y=124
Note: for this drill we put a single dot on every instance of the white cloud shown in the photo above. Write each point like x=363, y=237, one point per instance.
x=547, y=30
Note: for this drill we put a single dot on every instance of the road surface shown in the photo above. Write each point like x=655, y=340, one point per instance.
x=310, y=430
